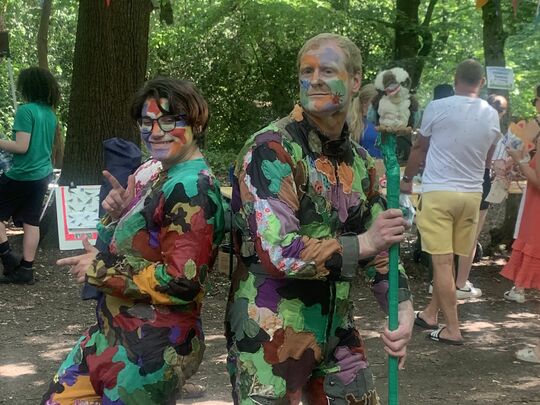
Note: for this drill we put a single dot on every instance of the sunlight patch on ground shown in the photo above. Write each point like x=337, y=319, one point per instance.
x=209, y=338
x=525, y=383
x=221, y=359
x=477, y=326
x=513, y=325
x=56, y=352
x=522, y=315
x=16, y=370
x=369, y=334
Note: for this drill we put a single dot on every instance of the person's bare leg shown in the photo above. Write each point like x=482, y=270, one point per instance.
x=465, y=262
x=30, y=242
x=430, y=313
x=445, y=289
x=3, y=232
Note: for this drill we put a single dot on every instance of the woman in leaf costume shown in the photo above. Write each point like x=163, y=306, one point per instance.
x=162, y=230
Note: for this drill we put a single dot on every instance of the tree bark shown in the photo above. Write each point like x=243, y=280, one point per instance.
x=413, y=40
x=43, y=34
x=494, y=35
x=494, y=38
x=109, y=65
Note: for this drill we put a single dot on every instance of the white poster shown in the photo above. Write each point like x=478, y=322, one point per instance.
x=500, y=78
x=77, y=210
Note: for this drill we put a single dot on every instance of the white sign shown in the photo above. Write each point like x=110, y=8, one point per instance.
x=500, y=78
x=77, y=210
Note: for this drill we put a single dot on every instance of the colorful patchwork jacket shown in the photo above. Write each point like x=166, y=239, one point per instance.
x=300, y=200
x=160, y=251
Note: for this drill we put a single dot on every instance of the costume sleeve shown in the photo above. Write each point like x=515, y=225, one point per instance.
x=190, y=217
x=376, y=269
x=24, y=121
x=267, y=184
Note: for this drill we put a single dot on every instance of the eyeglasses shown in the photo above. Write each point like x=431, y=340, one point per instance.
x=166, y=122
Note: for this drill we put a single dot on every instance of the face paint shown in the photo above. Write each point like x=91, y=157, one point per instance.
x=167, y=147
x=325, y=83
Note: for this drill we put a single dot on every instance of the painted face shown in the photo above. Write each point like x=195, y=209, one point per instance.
x=167, y=146
x=325, y=84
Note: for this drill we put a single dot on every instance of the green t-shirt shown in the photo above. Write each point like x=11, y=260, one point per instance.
x=40, y=122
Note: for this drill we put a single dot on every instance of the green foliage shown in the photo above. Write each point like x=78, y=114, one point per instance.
x=22, y=22
x=242, y=53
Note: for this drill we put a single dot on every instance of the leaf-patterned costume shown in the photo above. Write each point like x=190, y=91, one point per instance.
x=300, y=200
x=148, y=336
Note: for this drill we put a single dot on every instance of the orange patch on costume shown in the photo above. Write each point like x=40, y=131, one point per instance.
x=245, y=194
x=288, y=344
x=147, y=283
x=324, y=166
x=319, y=251
x=346, y=175
x=82, y=390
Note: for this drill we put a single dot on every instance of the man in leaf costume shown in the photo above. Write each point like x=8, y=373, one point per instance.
x=308, y=216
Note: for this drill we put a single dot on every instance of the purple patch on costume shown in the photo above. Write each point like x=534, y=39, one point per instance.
x=294, y=249
x=236, y=200
x=153, y=240
x=267, y=137
x=108, y=401
x=285, y=215
x=342, y=202
x=267, y=295
x=140, y=361
x=252, y=223
x=174, y=334
x=349, y=364
x=380, y=290
x=70, y=375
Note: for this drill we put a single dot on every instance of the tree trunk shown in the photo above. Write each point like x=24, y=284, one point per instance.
x=494, y=35
x=109, y=65
x=493, y=42
x=413, y=40
x=43, y=34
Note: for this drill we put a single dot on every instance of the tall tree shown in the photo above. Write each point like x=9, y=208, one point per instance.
x=413, y=39
x=109, y=64
x=43, y=34
x=494, y=34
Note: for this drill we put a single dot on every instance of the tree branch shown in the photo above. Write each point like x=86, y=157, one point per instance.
x=429, y=12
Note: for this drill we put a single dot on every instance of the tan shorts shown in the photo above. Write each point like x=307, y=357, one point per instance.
x=447, y=221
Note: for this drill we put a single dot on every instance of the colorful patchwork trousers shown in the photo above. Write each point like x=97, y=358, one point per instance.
x=294, y=340
x=140, y=356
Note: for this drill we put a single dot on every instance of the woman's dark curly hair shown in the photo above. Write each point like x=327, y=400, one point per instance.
x=38, y=85
x=184, y=98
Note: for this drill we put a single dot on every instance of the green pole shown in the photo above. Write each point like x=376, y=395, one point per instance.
x=388, y=146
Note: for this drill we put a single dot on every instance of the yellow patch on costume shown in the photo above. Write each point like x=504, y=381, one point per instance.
x=81, y=390
x=147, y=283
x=188, y=209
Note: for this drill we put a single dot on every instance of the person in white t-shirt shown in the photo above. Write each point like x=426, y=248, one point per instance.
x=457, y=137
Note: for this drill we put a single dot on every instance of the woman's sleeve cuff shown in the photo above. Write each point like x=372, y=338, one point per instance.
x=350, y=255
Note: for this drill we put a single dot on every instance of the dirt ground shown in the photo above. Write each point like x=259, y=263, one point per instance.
x=40, y=323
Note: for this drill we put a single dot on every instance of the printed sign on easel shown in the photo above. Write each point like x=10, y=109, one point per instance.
x=77, y=210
